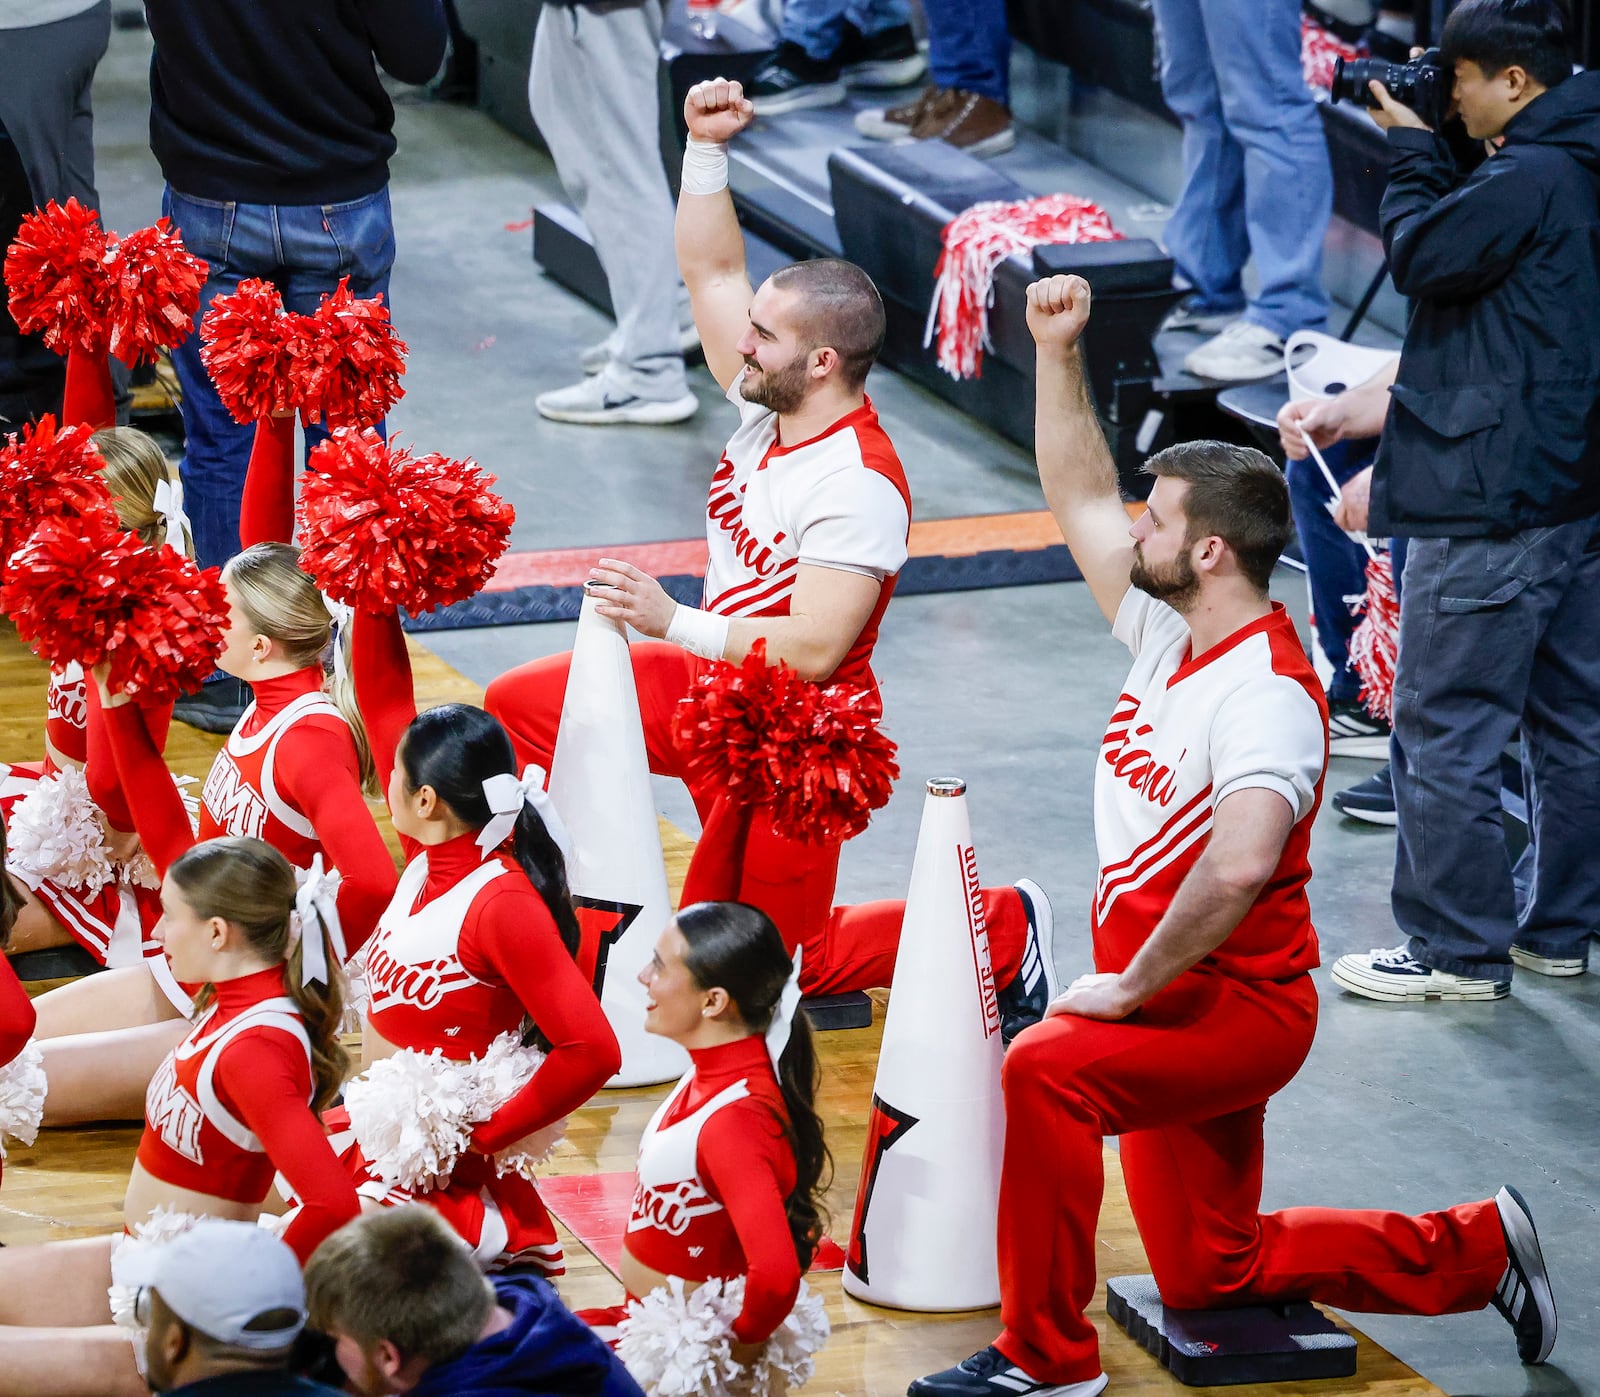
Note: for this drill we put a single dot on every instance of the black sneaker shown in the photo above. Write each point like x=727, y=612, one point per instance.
x=1371, y=800
x=989, y=1373
x=1353, y=732
x=1523, y=1296
x=888, y=58
x=1024, y=1000
x=791, y=80
x=215, y=707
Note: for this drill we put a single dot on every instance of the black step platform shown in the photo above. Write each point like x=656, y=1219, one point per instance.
x=54, y=963
x=853, y=1009
x=1221, y=1348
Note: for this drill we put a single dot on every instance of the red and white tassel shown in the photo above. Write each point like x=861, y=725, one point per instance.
x=975, y=244
x=1375, y=646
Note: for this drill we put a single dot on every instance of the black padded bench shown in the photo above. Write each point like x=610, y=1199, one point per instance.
x=54, y=963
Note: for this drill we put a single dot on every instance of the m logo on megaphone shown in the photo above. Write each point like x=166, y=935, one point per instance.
x=885, y=1128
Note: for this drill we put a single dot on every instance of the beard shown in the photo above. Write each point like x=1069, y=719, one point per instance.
x=1176, y=584
x=779, y=390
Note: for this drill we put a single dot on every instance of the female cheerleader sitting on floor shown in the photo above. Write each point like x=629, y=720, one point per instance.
x=235, y=1101
x=726, y=1212
x=478, y=941
x=291, y=773
x=21, y=1079
x=106, y=899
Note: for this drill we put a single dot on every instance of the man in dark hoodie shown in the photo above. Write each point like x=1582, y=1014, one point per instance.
x=1490, y=465
x=273, y=130
x=409, y=1312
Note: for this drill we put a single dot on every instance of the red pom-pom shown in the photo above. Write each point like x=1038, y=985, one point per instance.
x=350, y=376
x=157, y=285
x=97, y=593
x=58, y=280
x=380, y=528
x=250, y=345
x=815, y=755
x=44, y=474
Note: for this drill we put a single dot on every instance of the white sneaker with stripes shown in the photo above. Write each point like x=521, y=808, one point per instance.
x=989, y=1373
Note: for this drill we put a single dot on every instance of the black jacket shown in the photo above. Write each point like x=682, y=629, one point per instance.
x=279, y=101
x=1494, y=423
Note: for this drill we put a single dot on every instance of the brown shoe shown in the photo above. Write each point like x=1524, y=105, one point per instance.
x=897, y=123
x=971, y=123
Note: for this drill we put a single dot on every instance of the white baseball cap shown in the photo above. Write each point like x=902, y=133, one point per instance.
x=220, y=1277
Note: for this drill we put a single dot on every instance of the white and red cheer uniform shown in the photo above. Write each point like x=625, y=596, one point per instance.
x=288, y=774
x=1185, y=1080
x=839, y=500
x=231, y=1106
x=715, y=1168
x=463, y=951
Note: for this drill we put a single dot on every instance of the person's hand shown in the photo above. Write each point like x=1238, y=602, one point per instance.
x=717, y=110
x=746, y=1355
x=1355, y=499
x=101, y=674
x=1093, y=997
x=623, y=593
x=122, y=845
x=1390, y=113
x=1058, y=311
x=1324, y=420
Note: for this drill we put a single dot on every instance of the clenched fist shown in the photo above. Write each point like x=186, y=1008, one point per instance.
x=717, y=110
x=1058, y=310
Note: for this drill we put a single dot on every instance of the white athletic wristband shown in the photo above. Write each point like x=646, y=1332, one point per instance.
x=702, y=633
x=705, y=167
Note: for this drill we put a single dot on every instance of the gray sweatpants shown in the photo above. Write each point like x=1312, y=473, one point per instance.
x=45, y=75
x=592, y=91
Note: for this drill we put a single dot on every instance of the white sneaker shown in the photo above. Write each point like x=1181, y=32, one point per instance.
x=1242, y=353
x=1561, y=967
x=595, y=403
x=597, y=356
x=1394, y=976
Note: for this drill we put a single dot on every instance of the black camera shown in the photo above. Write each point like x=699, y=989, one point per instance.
x=1423, y=84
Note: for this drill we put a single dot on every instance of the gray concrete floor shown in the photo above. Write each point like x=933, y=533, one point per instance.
x=1408, y=1108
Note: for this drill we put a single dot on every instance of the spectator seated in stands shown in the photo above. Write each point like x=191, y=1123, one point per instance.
x=223, y=1305
x=408, y=1311
x=968, y=103
x=826, y=46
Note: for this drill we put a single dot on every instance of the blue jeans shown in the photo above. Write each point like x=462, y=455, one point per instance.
x=1336, y=565
x=1497, y=634
x=969, y=47
x=818, y=25
x=305, y=249
x=1256, y=178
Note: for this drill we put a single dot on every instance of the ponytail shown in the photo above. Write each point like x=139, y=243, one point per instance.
x=10, y=898
x=540, y=857
x=737, y=947
x=250, y=885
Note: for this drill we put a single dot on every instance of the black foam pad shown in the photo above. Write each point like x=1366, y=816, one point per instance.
x=1220, y=1348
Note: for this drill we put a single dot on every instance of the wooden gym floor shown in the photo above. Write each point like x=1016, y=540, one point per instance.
x=70, y=1183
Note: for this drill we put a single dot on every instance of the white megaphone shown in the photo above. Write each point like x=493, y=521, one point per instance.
x=923, y=1236
x=600, y=783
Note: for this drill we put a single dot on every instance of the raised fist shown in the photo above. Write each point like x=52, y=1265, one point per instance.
x=1058, y=310
x=717, y=110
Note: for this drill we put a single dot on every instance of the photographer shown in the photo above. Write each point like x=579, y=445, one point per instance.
x=1490, y=465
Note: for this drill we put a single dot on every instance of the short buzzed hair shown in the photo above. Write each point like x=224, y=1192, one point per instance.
x=402, y=1275
x=837, y=308
x=1235, y=493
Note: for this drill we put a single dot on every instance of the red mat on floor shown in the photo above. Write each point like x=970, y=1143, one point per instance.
x=595, y=1208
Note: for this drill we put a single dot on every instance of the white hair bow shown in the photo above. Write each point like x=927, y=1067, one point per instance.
x=317, y=912
x=782, y=1024
x=342, y=617
x=168, y=503
x=506, y=796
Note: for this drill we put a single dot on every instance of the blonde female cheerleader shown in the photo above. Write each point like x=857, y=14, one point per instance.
x=232, y=1103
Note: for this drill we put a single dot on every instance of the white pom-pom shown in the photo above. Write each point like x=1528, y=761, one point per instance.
x=504, y=1069
x=678, y=1344
x=55, y=833
x=140, y=870
x=681, y=1345
x=411, y=1116
x=22, y=1092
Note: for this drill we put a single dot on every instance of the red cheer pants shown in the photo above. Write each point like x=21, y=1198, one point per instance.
x=846, y=948
x=1185, y=1084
